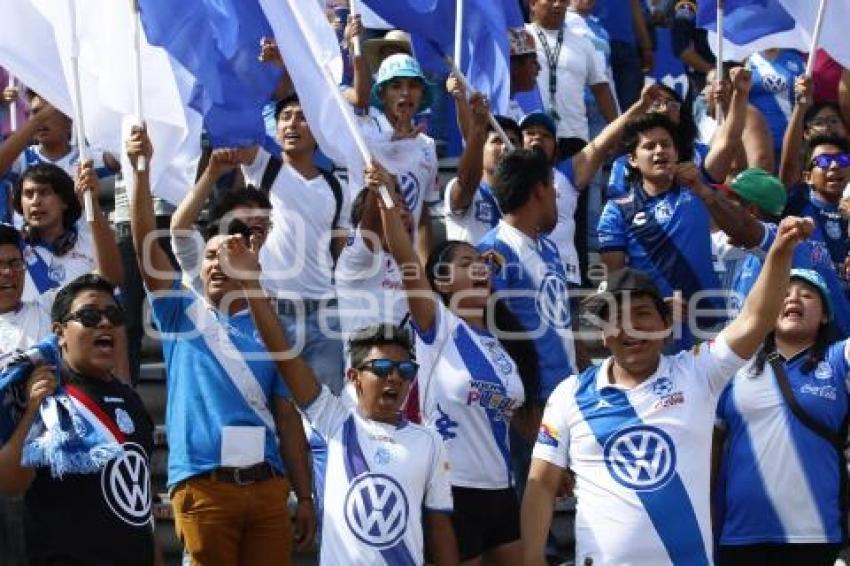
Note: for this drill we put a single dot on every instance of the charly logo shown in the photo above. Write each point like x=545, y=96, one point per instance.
x=126, y=485
x=410, y=190
x=640, y=457
x=376, y=510
x=552, y=305
x=639, y=219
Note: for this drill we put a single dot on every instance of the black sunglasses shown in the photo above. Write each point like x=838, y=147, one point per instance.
x=90, y=317
x=383, y=367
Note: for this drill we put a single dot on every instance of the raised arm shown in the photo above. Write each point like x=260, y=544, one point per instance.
x=587, y=162
x=538, y=503
x=18, y=141
x=746, y=333
x=471, y=162
x=790, y=166
x=106, y=252
x=462, y=105
x=358, y=94
x=154, y=264
x=727, y=141
x=221, y=162
x=14, y=478
x=420, y=299
x=241, y=264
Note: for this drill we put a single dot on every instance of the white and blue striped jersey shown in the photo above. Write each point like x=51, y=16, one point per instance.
x=469, y=388
x=641, y=457
x=529, y=275
x=379, y=478
x=33, y=155
x=779, y=481
x=470, y=224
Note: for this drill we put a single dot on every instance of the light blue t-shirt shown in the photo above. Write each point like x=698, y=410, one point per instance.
x=202, y=396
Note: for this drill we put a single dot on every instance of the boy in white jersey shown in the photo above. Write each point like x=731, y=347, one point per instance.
x=636, y=432
x=382, y=470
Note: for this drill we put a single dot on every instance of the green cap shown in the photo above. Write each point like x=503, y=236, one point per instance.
x=762, y=189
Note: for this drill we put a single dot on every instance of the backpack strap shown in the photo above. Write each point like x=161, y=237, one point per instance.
x=270, y=173
x=336, y=188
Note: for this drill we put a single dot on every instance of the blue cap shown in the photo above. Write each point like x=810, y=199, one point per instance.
x=397, y=66
x=539, y=119
x=815, y=279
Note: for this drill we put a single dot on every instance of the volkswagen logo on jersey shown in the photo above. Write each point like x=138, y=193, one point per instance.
x=640, y=457
x=409, y=185
x=552, y=304
x=126, y=485
x=376, y=510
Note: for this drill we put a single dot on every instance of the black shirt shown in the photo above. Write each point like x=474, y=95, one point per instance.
x=102, y=518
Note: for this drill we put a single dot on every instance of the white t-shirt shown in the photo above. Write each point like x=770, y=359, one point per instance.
x=368, y=286
x=641, y=457
x=471, y=223
x=23, y=327
x=577, y=67
x=379, y=478
x=469, y=388
x=43, y=266
x=296, y=257
x=564, y=233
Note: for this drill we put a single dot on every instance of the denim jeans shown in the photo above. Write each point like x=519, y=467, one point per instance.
x=316, y=331
x=628, y=77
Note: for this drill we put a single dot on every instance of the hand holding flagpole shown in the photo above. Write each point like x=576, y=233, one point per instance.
x=137, y=72
x=79, y=126
x=493, y=122
x=356, y=46
x=13, y=106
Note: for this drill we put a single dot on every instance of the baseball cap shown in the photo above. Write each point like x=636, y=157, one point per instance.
x=400, y=65
x=618, y=282
x=760, y=188
x=521, y=42
x=539, y=119
x=814, y=279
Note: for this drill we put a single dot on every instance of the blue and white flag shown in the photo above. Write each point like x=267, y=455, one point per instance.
x=750, y=26
x=485, y=55
x=836, y=23
x=218, y=43
x=35, y=43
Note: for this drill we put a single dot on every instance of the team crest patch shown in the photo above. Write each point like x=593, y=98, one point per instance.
x=823, y=371
x=662, y=386
x=833, y=230
x=547, y=435
x=56, y=272
x=124, y=422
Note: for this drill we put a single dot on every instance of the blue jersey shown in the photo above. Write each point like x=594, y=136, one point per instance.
x=809, y=254
x=620, y=182
x=779, y=481
x=531, y=278
x=773, y=89
x=668, y=237
x=830, y=226
x=220, y=377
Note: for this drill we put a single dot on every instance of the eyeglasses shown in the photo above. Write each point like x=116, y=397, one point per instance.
x=825, y=122
x=825, y=160
x=14, y=265
x=383, y=367
x=661, y=104
x=90, y=317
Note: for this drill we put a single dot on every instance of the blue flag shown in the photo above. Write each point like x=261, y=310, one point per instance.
x=485, y=56
x=218, y=42
x=750, y=26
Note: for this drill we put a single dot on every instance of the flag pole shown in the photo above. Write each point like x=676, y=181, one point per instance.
x=137, y=73
x=355, y=41
x=79, y=126
x=347, y=115
x=492, y=119
x=13, y=106
x=810, y=64
x=718, y=111
x=458, y=33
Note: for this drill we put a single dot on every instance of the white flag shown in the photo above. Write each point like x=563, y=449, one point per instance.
x=35, y=45
x=836, y=22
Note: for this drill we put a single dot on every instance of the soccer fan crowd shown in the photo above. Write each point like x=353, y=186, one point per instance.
x=628, y=306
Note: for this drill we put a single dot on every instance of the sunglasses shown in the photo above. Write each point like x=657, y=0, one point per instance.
x=90, y=317
x=660, y=104
x=825, y=160
x=383, y=367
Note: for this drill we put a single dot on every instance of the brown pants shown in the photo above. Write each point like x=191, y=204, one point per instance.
x=223, y=524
